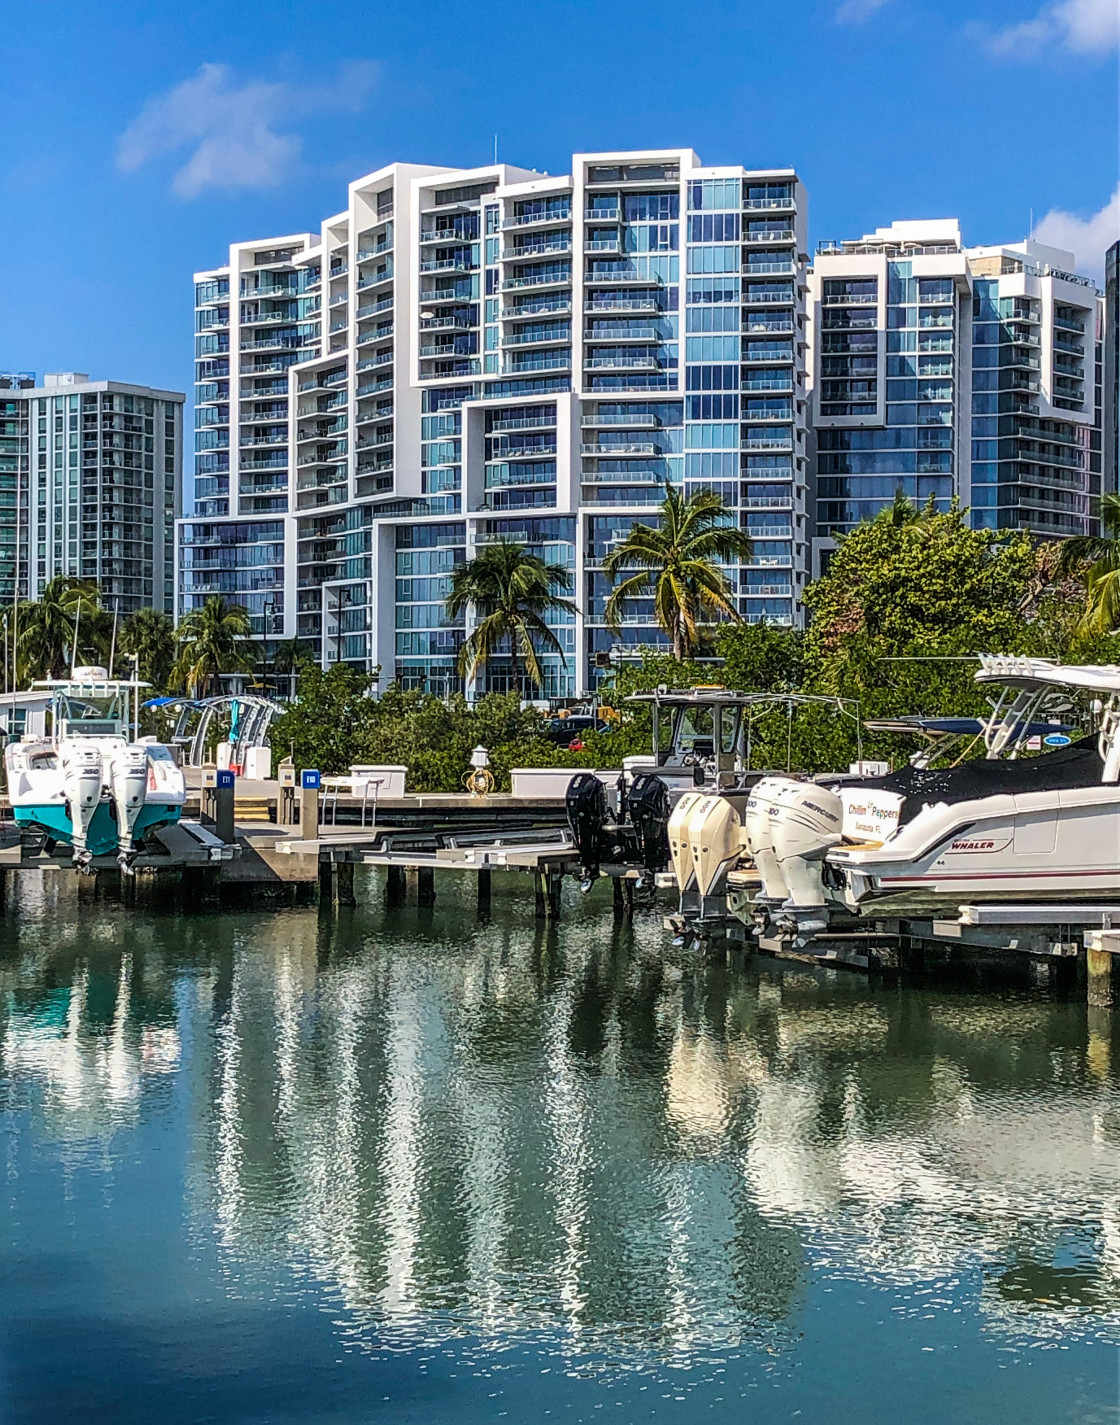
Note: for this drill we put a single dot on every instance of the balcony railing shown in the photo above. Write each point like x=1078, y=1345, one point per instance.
x=447, y=264
x=621, y=363
x=770, y=235
x=641, y=421
x=626, y=449
x=537, y=279
x=526, y=220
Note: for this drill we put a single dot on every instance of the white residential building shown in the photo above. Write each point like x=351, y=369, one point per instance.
x=948, y=371
x=468, y=355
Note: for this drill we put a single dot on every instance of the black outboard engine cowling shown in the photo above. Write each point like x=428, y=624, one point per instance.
x=585, y=804
x=648, y=804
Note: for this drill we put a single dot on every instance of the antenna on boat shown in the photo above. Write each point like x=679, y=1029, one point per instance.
x=113, y=644
x=74, y=645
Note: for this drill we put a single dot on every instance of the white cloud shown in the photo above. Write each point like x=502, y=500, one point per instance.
x=231, y=128
x=856, y=12
x=1081, y=26
x=1087, y=237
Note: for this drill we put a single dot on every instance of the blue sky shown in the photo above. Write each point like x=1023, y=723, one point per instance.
x=117, y=179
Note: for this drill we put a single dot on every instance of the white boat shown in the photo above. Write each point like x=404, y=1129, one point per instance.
x=1035, y=835
x=87, y=782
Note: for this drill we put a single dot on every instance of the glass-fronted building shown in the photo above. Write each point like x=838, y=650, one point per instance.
x=464, y=356
x=949, y=372
x=90, y=485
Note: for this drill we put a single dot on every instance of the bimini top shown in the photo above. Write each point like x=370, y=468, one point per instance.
x=711, y=695
x=1040, y=673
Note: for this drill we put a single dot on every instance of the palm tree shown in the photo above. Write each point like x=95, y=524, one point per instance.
x=291, y=657
x=902, y=513
x=149, y=635
x=46, y=626
x=675, y=566
x=1095, y=560
x=510, y=591
x=211, y=641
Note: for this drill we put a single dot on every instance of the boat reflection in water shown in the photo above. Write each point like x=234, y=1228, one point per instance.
x=581, y=1140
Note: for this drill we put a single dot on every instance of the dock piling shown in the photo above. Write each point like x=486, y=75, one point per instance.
x=1101, y=976
x=425, y=885
x=484, y=888
x=396, y=885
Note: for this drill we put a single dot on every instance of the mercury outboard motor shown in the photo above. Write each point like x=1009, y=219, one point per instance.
x=585, y=805
x=648, y=804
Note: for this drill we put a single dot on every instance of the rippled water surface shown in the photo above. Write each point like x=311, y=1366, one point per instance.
x=410, y=1165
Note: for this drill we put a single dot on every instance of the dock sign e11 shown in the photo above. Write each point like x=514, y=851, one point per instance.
x=310, y=780
x=1057, y=739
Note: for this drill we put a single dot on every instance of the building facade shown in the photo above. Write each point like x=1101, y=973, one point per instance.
x=1110, y=371
x=90, y=486
x=466, y=356
x=952, y=372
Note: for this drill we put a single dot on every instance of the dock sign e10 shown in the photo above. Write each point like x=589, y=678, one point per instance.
x=1057, y=739
x=310, y=780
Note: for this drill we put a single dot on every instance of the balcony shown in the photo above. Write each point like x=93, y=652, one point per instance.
x=763, y=440
x=754, y=355
x=625, y=450
x=625, y=334
x=768, y=269
x=603, y=245
x=776, y=326
x=377, y=279
x=445, y=324
x=528, y=251
x=450, y=236
x=383, y=304
x=611, y=275
x=771, y=235
x=339, y=269
x=602, y=215
x=620, y=418
x=537, y=279
x=560, y=361
x=767, y=205
x=367, y=254
x=783, y=386
x=621, y=363
x=370, y=388
x=529, y=452
x=785, y=299
x=553, y=306
x=526, y=220
x=766, y=502
x=512, y=423
x=522, y=338
x=436, y=350
x=265, y=440
x=447, y=264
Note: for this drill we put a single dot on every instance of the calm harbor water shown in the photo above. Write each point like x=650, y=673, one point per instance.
x=407, y=1165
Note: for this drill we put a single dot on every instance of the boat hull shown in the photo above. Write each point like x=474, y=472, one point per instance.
x=102, y=838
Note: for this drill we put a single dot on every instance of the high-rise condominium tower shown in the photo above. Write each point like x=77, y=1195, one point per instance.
x=944, y=371
x=90, y=485
x=466, y=356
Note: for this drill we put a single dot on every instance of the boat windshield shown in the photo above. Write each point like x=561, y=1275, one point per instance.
x=91, y=715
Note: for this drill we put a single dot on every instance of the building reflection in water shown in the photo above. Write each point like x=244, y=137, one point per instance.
x=455, y=1128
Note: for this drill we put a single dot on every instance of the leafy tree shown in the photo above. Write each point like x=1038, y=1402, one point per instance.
x=675, y=566
x=149, y=636
x=45, y=626
x=331, y=722
x=926, y=582
x=291, y=656
x=1095, y=560
x=212, y=641
x=509, y=592
x=762, y=657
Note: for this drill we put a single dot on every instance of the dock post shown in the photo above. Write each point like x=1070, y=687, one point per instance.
x=554, y=881
x=343, y=881
x=395, y=885
x=540, y=906
x=425, y=885
x=1101, y=977
x=309, y=814
x=484, y=888
x=619, y=904
x=223, y=813
x=628, y=897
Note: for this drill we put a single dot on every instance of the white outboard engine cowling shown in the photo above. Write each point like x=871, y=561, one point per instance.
x=680, y=847
x=758, y=824
x=128, y=783
x=81, y=785
x=808, y=823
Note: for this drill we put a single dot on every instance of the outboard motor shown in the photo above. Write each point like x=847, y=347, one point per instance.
x=715, y=833
x=758, y=824
x=81, y=784
x=585, y=805
x=807, y=825
x=648, y=804
x=680, y=848
x=128, y=783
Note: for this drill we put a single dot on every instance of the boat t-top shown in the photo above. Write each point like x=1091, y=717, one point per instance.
x=89, y=782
